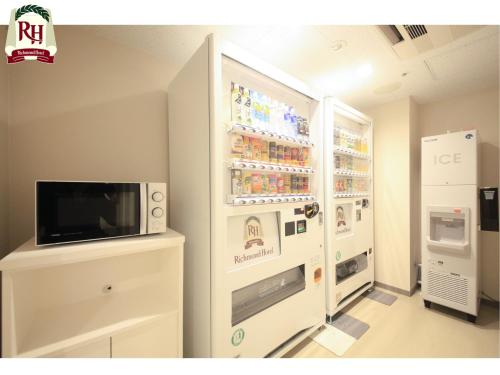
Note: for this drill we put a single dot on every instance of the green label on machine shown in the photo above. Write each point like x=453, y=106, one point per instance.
x=238, y=337
x=338, y=255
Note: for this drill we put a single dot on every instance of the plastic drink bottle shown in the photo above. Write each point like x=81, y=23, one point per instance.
x=235, y=102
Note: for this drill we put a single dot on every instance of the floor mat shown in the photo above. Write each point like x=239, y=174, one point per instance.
x=334, y=340
x=377, y=295
x=347, y=324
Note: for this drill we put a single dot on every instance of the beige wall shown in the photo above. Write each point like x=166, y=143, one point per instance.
x=98, y=113
x=4, y=235
x=398, y=127
x=392, y=193
x=477, y=110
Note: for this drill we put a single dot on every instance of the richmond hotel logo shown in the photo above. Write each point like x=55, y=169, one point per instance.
x=31, y=35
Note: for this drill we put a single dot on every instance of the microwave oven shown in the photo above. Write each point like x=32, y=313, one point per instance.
x=70, y=211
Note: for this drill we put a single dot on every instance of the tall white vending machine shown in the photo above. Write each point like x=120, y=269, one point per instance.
x=349, y=199
x=245, y=146
x=450, y=247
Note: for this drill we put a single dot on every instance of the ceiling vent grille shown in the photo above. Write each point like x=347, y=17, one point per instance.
x=415, y=31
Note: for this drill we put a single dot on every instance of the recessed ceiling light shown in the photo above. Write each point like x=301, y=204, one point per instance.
x=337, y=45
x=365, y=70
x=387, y=89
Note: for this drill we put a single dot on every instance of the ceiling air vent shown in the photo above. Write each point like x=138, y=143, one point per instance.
x=408, y=41
x=415, y=31
x=392, y=33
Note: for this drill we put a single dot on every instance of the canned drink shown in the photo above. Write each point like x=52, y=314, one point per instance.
x=237, y=146
x=294, y=184
x=305, y=157
x=300, y=159
x=256, y=149
x=256, y=183
x=279, y=153
x=272, y=152
x=273, y=184
x=337, y=161
x=287, y=155
x=264, y=154
x=300, y=184
x=281, y=184
x=265, y=184
x=247, y=182
x=287, y=184
x=294, y=156
x=305, y=185
x=247, y=148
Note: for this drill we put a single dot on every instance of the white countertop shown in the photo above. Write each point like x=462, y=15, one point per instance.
x=29, y=256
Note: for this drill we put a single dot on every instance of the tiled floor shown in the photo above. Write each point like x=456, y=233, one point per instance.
x=407, y=329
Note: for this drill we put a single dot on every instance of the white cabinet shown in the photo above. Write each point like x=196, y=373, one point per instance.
x=144, y=341
x=96, y=349
x=114, y=298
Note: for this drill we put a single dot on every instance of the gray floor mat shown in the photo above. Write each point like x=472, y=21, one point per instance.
x=385, y=298
x=352, y=326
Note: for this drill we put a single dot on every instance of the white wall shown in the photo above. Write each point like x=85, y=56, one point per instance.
x=478, y=110
x=392, y=193
x=98, y=113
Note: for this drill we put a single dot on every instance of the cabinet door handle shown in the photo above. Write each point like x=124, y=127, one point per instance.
x=111, y=347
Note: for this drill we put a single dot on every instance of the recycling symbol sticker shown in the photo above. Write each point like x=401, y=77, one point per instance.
x=238, y=337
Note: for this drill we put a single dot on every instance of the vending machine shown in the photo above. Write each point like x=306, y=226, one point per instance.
x=349, y=205
x=246, y=188
x=450, y=246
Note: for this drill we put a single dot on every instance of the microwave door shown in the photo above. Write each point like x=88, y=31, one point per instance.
x=143, y=209
x=82, y=211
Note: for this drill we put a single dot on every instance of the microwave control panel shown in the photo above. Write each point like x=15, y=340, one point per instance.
x=157, y=207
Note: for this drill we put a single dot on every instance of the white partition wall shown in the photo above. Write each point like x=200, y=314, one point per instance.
x=246, y=189
x=349, y=205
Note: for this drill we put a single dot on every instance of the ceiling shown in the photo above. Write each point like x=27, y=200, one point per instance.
x=364, y=73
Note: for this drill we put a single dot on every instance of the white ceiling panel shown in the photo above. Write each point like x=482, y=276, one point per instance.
x=468, y=63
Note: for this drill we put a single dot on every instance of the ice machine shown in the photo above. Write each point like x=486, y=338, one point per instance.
x=450, y=246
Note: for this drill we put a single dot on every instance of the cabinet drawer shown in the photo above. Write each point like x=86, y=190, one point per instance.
x=96, y=349
x=157, y=339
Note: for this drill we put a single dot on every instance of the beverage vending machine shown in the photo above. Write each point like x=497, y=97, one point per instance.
x=450, y=246
x=245, y=146
x=349, y=205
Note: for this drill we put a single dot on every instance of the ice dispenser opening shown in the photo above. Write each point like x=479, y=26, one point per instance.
x=448, y=229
